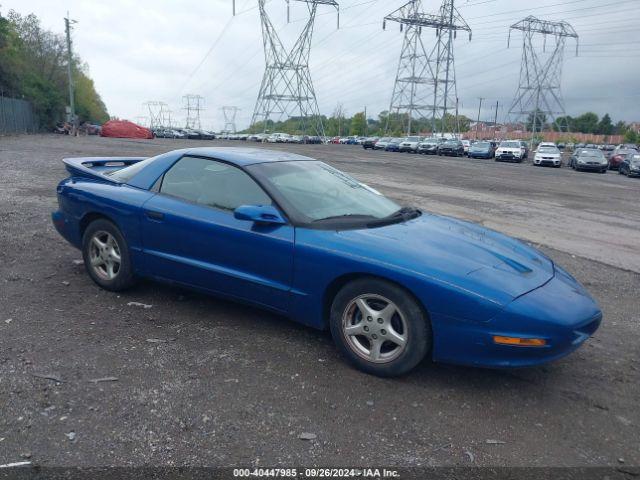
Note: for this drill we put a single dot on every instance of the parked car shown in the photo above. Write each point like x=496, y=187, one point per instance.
x=619, y=155
x=525, y=147
x=314, y=140
x=192, y=134
x=176, y=133
x=382, y=143
x=430, y=145
x=589, y=159
x=410, y=144
x=207, y=135
x=466, y=144
x=369, y=143
x=451, y=148
x=547, y=155
x=394, y=145
x=511, y=151
x=481, y=150
x=630, y=166
x=392, y=284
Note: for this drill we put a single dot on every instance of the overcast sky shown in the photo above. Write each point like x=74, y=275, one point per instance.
x=140, y=50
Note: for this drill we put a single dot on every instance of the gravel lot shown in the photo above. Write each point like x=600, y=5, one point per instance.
x=201, y=381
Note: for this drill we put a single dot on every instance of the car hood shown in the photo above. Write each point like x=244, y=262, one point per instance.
x=459, y=254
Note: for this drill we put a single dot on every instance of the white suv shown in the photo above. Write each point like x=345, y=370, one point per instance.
x=510, y=150
x=410, y=144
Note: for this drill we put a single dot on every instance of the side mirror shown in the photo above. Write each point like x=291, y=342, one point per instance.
x=266, y=214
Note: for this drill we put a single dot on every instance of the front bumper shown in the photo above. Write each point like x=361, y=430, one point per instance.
x=429, y=150
x=408, y=148
x=594, y=167
x=561, y=312
x=507, y=156
x=547, y=162
x=480, y=155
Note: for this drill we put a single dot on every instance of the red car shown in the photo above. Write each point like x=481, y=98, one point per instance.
x=619, y=155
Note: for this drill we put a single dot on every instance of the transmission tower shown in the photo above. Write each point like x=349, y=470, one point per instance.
x=425, y=85
x=193, y=106
x=230, y=118
x=142, y=120
x=286, y=89
x=157, y=113
x=538, y=92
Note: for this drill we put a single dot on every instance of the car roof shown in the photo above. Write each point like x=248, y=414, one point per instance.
x=240, y=157
x=245, y=156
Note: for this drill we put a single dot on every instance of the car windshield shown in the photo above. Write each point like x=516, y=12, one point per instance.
x=431, y=140
x=384, y=139
x=481, y=145
x=317, y=191
x=510, y=144
x=548, y=150
x=412, y=139
x=591, y=153
x=451, y=142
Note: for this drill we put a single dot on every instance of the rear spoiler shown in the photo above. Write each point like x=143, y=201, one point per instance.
x=97, y=167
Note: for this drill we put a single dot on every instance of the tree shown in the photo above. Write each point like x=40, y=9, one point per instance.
x=33, y=66
x=564, y=123
x=358, y=124
x=536, y=121
x=586, y=123
x=630, y=136
x=605, y=127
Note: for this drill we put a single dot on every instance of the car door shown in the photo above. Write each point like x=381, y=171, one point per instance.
x=190, y=234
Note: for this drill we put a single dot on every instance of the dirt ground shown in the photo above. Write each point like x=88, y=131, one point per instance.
x=200, y=381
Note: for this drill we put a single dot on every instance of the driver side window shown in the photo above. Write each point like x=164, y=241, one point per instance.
x=211, y=183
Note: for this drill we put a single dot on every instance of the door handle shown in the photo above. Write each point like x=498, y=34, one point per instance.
x=154, y=215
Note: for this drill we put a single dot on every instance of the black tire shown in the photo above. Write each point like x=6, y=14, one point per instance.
x=418, y=326
x=124, y=278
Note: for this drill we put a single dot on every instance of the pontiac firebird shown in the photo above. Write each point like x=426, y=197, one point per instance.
x=296, y=236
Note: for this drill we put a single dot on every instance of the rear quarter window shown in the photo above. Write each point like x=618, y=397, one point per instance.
x=124, y=175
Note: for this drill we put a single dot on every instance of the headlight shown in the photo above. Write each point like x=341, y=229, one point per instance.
x=581, y=160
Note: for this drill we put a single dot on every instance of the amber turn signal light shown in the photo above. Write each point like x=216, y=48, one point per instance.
x=523, y=342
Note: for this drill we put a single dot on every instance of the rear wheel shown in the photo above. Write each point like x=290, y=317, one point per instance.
x=106, y=256
x=379, y=327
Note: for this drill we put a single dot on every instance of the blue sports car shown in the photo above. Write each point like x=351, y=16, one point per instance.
x=296, y=236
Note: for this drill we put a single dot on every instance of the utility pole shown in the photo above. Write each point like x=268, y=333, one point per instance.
x=495, y=121
x=478, y=120
x=457, y=120
x=72, y=104
x=366, y=123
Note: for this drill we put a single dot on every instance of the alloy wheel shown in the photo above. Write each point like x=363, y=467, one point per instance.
x=375, y=328
x=104, y=255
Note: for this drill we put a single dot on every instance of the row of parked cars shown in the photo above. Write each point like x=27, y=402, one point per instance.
x=625, y=158
x=182, y=133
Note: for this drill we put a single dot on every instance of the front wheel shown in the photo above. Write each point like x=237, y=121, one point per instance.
x=380, y=327
x=106, y=256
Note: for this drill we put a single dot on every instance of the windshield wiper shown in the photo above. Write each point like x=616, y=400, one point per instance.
x=402, y=215
x=346, y=215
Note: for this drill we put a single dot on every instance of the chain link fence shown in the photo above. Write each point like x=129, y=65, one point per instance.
x=16, y=116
